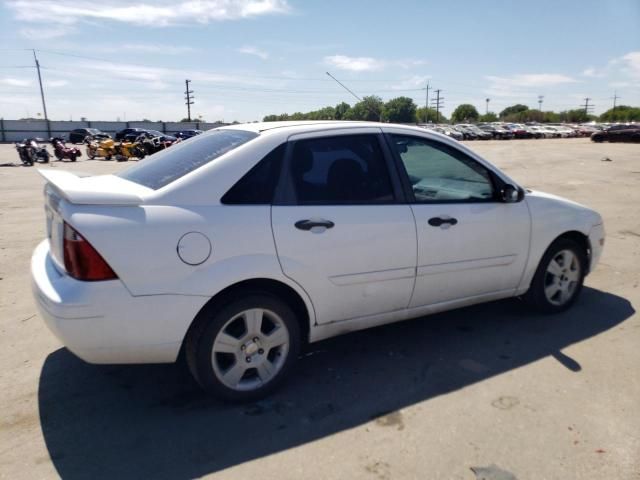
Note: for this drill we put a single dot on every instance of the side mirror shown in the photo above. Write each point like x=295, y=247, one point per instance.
x=511, y=194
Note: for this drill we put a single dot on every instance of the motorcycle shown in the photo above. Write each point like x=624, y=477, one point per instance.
x=30, y=151
x=127, y=149
x=105, y=149
x=61, y=151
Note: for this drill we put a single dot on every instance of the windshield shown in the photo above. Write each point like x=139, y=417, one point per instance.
x=168, y=165
x=93, y=130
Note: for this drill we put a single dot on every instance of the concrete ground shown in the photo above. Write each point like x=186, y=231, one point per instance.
x=492, y=391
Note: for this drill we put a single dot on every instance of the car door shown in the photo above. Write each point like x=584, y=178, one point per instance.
x=470, y=243
x=341, y=230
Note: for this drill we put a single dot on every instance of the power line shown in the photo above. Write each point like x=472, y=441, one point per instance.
x=426, y=104
x=44, y=105
x=438, y=102
x=188, y=98
x=587, y=108
x=615, y=98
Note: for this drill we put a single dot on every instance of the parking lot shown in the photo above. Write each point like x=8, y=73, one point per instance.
x=492, y=391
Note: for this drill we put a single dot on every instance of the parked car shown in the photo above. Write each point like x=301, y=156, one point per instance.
x=497, y=131
x=161, y=137
x=618, y=133
x=248, y=241
x=467, y=133
x=184, y=134
x=448, y=131
x=479, y=133
x=519, y=131
x=85, y=135
x=131, y=132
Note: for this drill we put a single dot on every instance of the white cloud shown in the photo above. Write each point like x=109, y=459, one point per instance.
x=15, y=82
x=532, y=80
x=416, y=81
x=158, y=13
x=621, y=84
x=592, y=73
x=369, y=64
x=56, y=83
x=149, y=48
x=631, y=64
x=249, y=50
x=410, y=63
x=46, y=33
x=354, y=64
x=516, y=85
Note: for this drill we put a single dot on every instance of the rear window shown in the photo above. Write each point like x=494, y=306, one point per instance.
x=168, y=165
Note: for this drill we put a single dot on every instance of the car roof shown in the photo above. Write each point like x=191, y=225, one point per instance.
x=302, y=125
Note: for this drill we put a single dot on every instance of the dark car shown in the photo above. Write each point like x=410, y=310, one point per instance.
x=128, y=131
x=163, y=137
x=80, y=135
x=496, y=131
x=618, y=133
x=184, y=134
x=467, y=134
x=137, y=132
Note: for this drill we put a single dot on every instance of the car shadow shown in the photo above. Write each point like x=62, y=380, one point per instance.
x=152, y=421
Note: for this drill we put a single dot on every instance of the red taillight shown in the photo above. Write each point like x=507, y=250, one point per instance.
x=81, y=260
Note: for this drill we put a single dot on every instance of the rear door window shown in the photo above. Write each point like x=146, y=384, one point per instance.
x=340, y=170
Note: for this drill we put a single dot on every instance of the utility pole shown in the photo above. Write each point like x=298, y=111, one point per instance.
x=615, y=98
x=438, y=104
x=487, y=109
x=188, y=98
x=426, y=105
x=44, y=105
x=587, y=107
x=540, y=98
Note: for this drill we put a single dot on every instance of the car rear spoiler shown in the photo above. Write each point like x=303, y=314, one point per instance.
x=95, y=190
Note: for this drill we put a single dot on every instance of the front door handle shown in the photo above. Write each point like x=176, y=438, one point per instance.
x=439, y=221
x=309, y=224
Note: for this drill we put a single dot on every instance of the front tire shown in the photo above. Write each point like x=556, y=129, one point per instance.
x=558, y=280
x=244, y=350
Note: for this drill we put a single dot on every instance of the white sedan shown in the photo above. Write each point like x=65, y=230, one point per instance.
x=247, y=242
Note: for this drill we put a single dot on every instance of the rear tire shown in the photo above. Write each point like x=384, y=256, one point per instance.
x=244, y=349
x=559, y=277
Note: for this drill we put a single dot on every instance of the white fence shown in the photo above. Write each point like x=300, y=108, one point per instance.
x=16, y=130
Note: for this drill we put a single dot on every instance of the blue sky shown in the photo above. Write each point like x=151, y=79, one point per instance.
x=113, y=59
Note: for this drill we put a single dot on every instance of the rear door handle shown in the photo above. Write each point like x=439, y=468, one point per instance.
x=309, y=224
x=439, y=221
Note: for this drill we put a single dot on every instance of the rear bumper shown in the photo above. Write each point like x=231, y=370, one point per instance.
x=101, y=322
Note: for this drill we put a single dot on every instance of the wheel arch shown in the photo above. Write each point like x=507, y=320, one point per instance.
x=577, y=236
x=263, y=285
x=582, y=240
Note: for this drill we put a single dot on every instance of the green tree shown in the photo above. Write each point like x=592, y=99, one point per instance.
x=400, y=110
x=513, y=110
x=623, y=113
x=465, y=113
x=270, y=118
x=424, y=114
x=575, y=116
x=370, y=109
x=488, y=117
x=341, y=110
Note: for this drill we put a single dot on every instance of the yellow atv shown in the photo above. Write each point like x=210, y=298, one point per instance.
x=127, y=149
x=105, y=148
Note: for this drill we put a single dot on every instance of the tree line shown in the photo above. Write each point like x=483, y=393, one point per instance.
x=404, y=110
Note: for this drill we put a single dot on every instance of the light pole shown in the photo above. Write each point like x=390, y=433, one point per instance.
x=487, y=109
